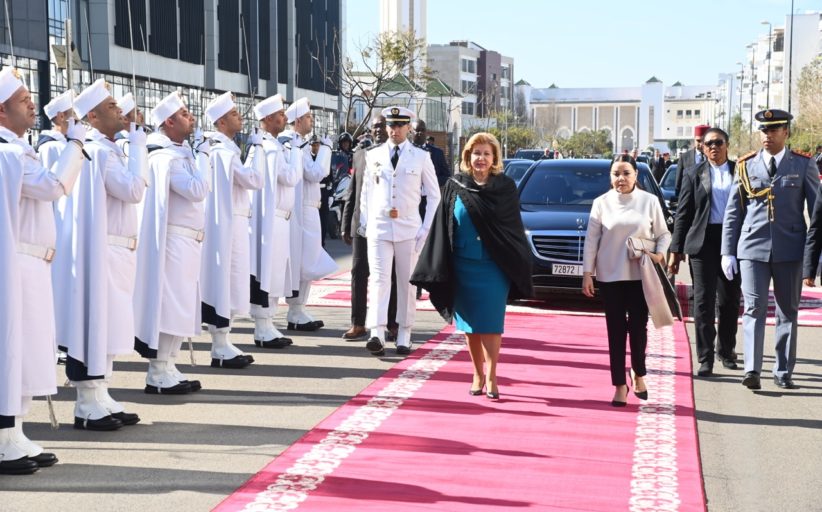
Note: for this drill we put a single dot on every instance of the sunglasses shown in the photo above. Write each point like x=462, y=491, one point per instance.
x=716, y=142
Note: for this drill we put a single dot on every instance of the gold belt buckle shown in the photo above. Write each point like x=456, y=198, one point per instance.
x=49, y=255
x=393, y=213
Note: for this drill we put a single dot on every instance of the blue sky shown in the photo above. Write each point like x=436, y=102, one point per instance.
x=591, y=43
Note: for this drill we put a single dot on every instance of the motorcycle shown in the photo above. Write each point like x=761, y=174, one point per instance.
x=336, y=205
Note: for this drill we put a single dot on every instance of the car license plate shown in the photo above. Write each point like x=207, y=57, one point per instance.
x=566, y=270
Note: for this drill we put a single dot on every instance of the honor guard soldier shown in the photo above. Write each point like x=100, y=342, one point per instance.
x=27, y=239
x=225, y=267
x=272, y=208
x=95, y=261
x=396, y=176
x=310, y=259
x=167, y=298
x=764, y=234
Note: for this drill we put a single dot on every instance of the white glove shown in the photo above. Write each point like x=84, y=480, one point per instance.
x=256, y=138
x=136, y=136
x=422, y=234
x=361, y=231
x=76, y=130
x=729, y=266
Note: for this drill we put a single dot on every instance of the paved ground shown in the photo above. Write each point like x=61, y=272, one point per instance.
x=759, y=451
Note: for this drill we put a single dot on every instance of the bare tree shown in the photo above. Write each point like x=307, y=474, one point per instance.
x=364, y=74
x=546, y=122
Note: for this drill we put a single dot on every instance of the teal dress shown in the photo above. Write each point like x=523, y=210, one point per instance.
x=482, y=288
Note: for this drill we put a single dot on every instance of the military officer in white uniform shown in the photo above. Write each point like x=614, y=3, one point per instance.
x=272, y=209
x=95, y=262
x=27, y=224
x=167, y=298
x=226, y=262
x=763, y=238
x=314, y=262
x=396, y=176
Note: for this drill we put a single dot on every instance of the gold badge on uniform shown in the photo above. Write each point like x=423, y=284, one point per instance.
x=395, y=111
x=768, y=114
x=393, y=213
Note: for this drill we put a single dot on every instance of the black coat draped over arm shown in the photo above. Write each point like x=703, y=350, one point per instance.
x=495, y=212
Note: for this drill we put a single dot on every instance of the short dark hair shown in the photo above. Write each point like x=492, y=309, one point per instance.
x=716, y=129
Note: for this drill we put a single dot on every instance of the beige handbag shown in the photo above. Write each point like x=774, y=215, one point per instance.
x=652, y=287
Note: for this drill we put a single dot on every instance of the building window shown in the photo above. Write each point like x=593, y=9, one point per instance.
x=468, y=108
x=192, y=33
x=506, y=72
x=687, y=114
x=138, y=23
x=679, y=114
x=468, y=65
x=468, y=87
x=163, y=38
x=696, y=113
x=228, y=26
x=679, y=131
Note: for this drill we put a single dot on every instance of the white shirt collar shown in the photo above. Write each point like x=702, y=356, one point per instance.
x=766, y=157
x=723, y=167
x=401, y=145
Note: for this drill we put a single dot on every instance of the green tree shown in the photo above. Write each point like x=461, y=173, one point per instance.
x=587, y=143
x=517, y=135
x=806, y=134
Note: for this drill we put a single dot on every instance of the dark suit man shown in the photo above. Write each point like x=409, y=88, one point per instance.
x=359, y=258
x=418, y=137
x=691, y=157
x=764, y=238
x=698, y=233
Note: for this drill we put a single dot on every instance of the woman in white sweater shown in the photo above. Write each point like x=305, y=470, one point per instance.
x=622, y=212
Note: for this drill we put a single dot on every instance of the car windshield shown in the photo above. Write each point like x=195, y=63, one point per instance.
x=669, y=181
x=551, y=185
x=516, y=170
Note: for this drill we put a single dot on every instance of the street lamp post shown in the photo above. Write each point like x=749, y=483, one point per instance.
x=752, y=46
x=741, y=83
x=770, y=49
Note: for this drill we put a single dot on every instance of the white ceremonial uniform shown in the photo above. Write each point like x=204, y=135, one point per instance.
x=387, y=190
x=271, y=213
x=315, y=263
x=224, y=277
x=167, y=296
x=95, y=261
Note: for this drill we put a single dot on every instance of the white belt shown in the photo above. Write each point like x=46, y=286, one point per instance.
x=194, y=234
x=129, y=242
x=38, y=251
x=283, y=213
x=313, y=204
x=243, y=212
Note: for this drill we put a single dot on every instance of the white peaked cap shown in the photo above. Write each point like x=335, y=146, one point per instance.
x=126, y=103
x=298, y=109
x=59, y=104
x=268, y=106
x=219, y=107
x=91, y=96
x=9, y=82
x=166, y=108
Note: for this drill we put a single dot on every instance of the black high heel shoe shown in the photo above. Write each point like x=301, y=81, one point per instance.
x=642, y=395
x=492, y=395
x=618, y=403
x=478, y=392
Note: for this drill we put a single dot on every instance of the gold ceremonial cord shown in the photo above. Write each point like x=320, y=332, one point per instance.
x=745, y=182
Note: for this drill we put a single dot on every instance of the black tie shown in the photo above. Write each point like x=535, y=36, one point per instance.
x=772, y=167
x=395, y=157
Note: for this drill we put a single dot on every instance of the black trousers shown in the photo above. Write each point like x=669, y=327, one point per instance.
x=626, y=316
x=6, y=421
x=712, y=290
x=359, y=285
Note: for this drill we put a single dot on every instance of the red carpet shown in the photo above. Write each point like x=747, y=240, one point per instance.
x=415, y=440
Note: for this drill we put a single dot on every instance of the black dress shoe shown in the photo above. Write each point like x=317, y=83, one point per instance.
x=44, y=460
x=751, y=381
x=21, y=466
x=248, y=357
x=182, y=388
x=402, y=350
x=236, y=362
x=375, y=346
x=275, y=343
x=195, y=385
x=308, y=326
x=127, y=418
x=103, y=424
x=729, y=364
x=784, y=382
x=706, y=369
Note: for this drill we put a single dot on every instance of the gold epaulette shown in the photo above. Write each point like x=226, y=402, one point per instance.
x=801, y=153
x=747, y=156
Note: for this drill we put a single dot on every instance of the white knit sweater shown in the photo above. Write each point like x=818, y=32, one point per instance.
x=614, y=218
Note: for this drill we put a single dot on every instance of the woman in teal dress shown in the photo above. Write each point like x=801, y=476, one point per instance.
x=476, y=256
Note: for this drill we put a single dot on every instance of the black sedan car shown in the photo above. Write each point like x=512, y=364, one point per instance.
x=555, y=199
x=516, y=168
x=668, y=186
